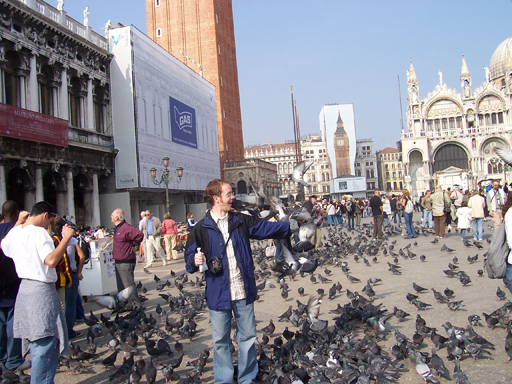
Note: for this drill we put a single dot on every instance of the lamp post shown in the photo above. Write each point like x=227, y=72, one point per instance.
x=166, y=178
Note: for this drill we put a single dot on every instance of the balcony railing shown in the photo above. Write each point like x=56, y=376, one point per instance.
x=456, y=132
x=85, y=136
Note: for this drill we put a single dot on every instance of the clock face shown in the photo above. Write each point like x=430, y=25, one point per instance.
x=340, y=142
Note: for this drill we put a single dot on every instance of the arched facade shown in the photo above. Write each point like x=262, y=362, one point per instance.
x=456, y=131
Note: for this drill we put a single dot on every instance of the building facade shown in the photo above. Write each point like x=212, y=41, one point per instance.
x=390, y=170
x=314, y=153
x=240, y=175
x=283, y=156
x=201, y=34
x=452, y=134
x=56, y=131
x=366, y=164
x=172, y=114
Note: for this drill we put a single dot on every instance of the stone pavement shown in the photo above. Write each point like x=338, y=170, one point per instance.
x=479, y=296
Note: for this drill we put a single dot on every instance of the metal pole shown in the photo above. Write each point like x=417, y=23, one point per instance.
x=167, y=204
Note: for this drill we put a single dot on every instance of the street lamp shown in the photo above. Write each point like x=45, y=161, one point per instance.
x=166, y=178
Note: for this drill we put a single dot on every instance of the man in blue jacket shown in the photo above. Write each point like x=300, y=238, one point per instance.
x=225, y=235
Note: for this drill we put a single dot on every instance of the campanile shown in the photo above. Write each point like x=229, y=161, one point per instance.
x=201, y=34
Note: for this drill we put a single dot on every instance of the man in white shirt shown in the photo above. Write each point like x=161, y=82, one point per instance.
x=38, y=317
x=457, y=196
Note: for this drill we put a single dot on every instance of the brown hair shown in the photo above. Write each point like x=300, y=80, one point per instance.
x=406, y=193
x=507, y=205
x=167, y=216
x=464, y=204
x=214, y=188
x=189, y=215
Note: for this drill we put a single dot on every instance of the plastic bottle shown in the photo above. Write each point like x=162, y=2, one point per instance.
x=203, y=267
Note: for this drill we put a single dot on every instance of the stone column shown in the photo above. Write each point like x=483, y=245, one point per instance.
x=61, y=202
x=23, y=91
x=89, y=123
x=63, y=112
x=96, y=218
x=33, y=94
x=39, y=185
x=70, y=196
x=3, y=185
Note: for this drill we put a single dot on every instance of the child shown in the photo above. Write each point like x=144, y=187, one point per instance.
x=464, y=218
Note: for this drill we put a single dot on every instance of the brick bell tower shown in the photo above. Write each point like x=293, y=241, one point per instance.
x=341, y=149
x=201, y=34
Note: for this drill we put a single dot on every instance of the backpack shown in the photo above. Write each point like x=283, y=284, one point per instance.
x=496, y=257
x=349, y=206
x=86, y=249
x=398, y=205
x=409, y=207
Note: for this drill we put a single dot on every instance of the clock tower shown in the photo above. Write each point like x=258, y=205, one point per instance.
x=341, y=149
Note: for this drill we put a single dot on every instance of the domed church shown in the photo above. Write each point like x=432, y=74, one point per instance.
x=452, y=134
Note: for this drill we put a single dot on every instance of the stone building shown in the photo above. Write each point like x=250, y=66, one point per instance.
x=240, y=175
x=452, y=134
x=55, y=130
x=390, y=170
x=366, y=164
x=283, y=156
x=314, y=151
x=201, y=34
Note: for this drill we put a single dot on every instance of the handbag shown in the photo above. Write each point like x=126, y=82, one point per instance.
x=270, y=251
x=446, y=209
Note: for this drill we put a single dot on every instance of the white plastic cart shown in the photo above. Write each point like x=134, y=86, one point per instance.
x=100, y=272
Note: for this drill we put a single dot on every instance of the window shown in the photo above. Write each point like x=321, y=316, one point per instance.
x=159, y=32
x=12, y=82
x=399, y=174
x=393, y=166
x=218, y=47
x=371, y=163
x=388, y=186
x=387, y=175
x=386, y=166
x=157, y=3
x=500, y=118
x=47, y=90
x=100, y=101
x=394, y=175
x=76, y=100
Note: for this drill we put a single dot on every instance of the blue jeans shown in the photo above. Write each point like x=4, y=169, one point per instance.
x=350, y=218
x=508, y=277
x=427, y=215
x=408, y=223
x=399, y=215
x=44, y=354
x=70, y=311
x=463, y=232
x=279, y=250
x=246, y=336
x=478, y=228
x=332, y=220
x=10, y=347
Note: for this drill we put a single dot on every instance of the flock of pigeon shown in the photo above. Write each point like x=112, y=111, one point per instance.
x=353, y=341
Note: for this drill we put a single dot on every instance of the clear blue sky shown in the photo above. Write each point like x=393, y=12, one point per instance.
x=335, y=51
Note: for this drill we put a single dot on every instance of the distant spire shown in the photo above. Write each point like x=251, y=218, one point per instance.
x=412, y=75
x=464, y=73
x=340, y=127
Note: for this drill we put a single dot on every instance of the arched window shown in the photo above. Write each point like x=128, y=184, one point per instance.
x=12, y=81
x=450, y=155
x=241, y=187
x=323, y=176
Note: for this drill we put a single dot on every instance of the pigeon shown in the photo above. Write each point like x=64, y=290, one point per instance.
x=459, y=377
x=110, y=360
x=474, y=320
x=501, y=295
x=115, y=303
x=417, y=288
x=298, y=173
x=269, y=329
x=301, y=291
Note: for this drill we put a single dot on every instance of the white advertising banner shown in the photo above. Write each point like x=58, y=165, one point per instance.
x=341, y=140
x=174, y=115
x=348, y=185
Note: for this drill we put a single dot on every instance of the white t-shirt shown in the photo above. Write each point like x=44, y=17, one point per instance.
x=29, y=247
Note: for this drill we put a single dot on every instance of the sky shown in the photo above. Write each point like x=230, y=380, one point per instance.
x=345, y=52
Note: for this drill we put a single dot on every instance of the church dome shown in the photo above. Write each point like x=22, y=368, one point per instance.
x=501, y=59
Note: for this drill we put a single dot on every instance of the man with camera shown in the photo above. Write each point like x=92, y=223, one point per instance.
x=222, y=240
x=38, y=316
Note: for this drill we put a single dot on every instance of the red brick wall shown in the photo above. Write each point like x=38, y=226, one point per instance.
x=198, y=28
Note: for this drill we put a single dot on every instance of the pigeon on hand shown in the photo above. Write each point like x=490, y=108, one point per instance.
x=115, y=303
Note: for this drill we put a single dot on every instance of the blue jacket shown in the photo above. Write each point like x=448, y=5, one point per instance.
x=206, y=234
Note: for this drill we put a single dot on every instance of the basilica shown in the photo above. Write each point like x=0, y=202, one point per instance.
x=452, y=134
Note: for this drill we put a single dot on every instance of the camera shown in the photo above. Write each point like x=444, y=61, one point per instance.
x=70, y=223
x=215, y=266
